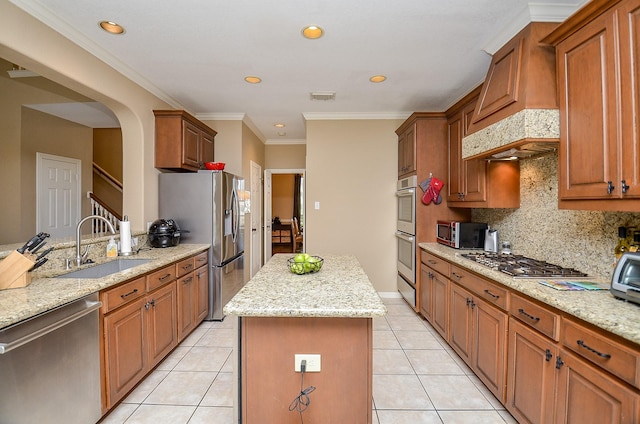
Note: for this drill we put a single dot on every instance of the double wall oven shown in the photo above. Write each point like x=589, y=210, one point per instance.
x=406, y=237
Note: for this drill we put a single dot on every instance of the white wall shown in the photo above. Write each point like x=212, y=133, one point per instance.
x=352, y=172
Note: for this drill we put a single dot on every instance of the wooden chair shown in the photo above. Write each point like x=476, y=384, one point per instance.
x=296, y=236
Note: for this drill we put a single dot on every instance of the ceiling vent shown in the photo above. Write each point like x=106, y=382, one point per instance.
x=323, y=95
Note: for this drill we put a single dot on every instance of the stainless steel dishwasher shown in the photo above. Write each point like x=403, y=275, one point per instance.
x=50, y=366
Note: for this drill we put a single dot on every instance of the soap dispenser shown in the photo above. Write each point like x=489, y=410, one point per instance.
x=112, y=248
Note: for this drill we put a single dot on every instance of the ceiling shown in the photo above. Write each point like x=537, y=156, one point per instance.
x=195, y=54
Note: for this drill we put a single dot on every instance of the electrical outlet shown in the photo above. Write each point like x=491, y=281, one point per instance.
x=313, y=362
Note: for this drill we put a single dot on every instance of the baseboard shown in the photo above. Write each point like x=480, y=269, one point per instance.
x=390, y=295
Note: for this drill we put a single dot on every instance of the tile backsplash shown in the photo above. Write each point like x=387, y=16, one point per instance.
x=580, y=239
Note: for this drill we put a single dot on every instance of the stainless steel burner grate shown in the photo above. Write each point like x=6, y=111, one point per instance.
x=520, y=266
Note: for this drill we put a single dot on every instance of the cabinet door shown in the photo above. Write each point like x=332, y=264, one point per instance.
x=125, y=349
x=163, y=333
x=202, y=296
x=455, y=188
x=489, y=352
x=440, y=306
x=206, y=148
x=407, y=152
x=532, y=373
x=587, y=93
x=588, y=395
x=186, y=302
x=190, y=145
x=629, y=27
x=426, y=292
x=460, y=322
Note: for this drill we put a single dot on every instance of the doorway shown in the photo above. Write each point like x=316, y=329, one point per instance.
x=284, y=199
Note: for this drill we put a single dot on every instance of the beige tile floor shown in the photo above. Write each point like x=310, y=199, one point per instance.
x=417, y=379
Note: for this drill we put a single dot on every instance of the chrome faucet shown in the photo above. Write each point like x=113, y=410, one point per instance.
x=80, y=259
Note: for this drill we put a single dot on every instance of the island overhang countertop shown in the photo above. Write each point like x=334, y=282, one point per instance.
x=340, y=289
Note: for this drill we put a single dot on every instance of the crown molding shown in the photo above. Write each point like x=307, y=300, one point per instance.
x=221, y=116
x=533, y=12
x=329, y=116
x=277, y=141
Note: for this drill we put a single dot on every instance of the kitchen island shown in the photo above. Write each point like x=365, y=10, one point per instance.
x=328, y=313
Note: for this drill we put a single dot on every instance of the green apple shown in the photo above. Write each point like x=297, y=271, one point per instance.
x=299, y=258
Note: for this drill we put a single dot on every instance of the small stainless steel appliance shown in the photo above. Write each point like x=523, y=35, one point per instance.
x=491, y=240
x=625, y=282
x=461, y=235
x=406, y=238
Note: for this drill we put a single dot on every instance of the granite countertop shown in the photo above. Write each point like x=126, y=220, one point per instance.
x=340, y=289
x=46, y=293
x=597, y=307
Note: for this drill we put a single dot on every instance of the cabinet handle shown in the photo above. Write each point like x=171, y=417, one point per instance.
x=548, y=355
x=592, y=350
x=470, y=302
x=153, y=303
x=531, y=317
x=459, y=277
x=146, y=306
x=129, y=294
x=201, y=259
x=495, y=296
x=186, y=267
x=430, y=274
x=187, y=280
x=201, y=273
x=610, y=187
x=625, y=187
x=165, y=277
x=559, y=363
x=432, y=262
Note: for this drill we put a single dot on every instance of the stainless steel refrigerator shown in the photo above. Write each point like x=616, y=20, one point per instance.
x=207, y=208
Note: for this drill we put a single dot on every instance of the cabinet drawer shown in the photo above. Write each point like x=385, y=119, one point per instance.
x=161, y=277
x=184, y=266
x=602, y=351
x=122, y=294
x=434, y=262
x=488, y=291
x=535, y=316
x=201, y=259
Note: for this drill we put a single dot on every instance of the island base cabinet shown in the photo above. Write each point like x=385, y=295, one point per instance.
x=586, y=395
x=269, y=382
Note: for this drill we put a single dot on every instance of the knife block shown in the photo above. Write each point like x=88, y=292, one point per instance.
x=14, y=271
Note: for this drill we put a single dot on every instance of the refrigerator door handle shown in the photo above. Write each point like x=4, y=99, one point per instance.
x=235, y=209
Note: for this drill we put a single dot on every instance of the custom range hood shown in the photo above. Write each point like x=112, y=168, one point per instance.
x=517, y=112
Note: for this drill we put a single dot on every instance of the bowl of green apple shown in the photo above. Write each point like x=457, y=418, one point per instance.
x=303, y=263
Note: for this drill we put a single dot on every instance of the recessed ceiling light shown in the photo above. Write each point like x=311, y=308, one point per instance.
x=312, y=32
x=282, y=133
x=111, y=27
x=279, y=125
x=377, y=78
x=253, y=80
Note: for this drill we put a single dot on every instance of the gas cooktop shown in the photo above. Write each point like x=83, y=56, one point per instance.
x=520, y=266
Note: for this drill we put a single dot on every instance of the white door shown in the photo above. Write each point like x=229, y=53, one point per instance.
x=256, y=218
x=58, y=182
x=267, y=215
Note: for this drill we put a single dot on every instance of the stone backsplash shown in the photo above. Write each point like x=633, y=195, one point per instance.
x=580, y=239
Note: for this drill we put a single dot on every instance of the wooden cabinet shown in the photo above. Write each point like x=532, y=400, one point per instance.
x=137, y=336
x=407, y=152
x=532, y=375
x=477, y=183
x=597, y=55
x=182, y=141
x=478, y=327
x=193, y=291
x=434, y=292
x=141, y=322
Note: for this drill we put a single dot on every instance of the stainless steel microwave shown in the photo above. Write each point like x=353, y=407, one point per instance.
x=461, y=235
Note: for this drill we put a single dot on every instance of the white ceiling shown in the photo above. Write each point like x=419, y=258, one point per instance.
x=194, y=54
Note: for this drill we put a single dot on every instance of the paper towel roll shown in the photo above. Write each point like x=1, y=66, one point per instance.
x=125, y=236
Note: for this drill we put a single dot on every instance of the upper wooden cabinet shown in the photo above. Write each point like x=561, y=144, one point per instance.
x=521, y=76
x=407, y=151
x=182, y=141
x=477, y=183
x=597, y=54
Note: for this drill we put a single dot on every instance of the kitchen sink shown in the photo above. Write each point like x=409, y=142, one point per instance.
x=105, y=269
